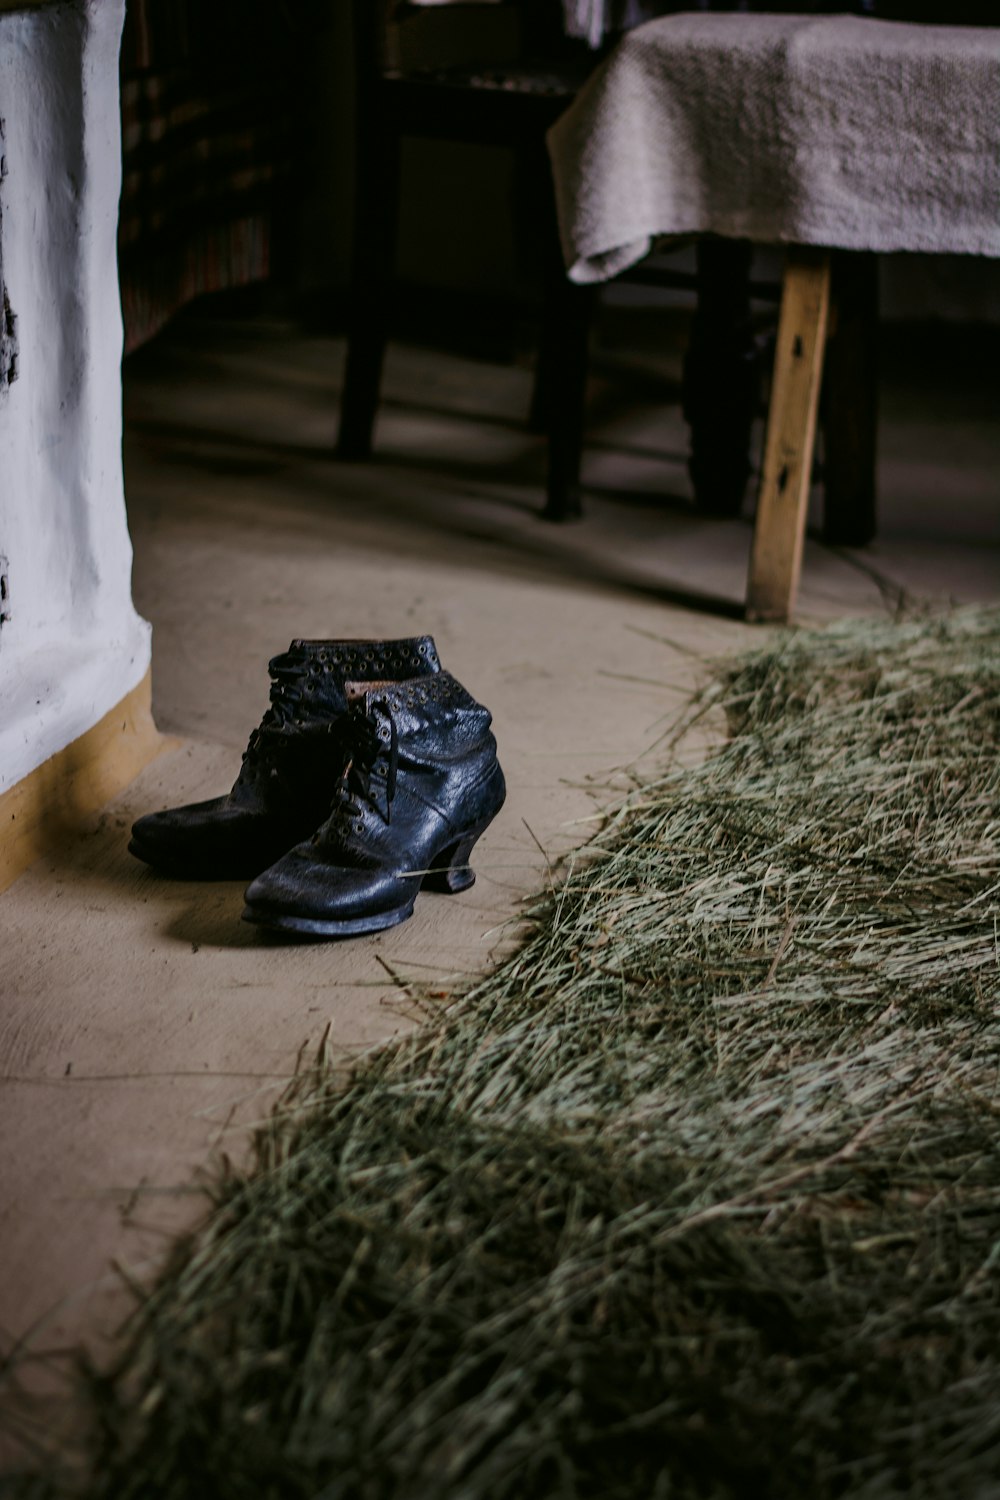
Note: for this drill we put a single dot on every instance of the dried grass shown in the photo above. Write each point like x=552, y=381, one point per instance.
x=697, y=1194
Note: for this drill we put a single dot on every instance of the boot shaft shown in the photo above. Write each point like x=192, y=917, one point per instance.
x=311, y=675
x=413, y=750
x=292, y=766
x=291, y=759
x=419, y=785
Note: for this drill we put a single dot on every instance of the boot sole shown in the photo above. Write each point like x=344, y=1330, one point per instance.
x=449, y=872
x=326, y=927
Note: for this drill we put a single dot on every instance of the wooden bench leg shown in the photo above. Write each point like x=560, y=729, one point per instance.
x=783, y=499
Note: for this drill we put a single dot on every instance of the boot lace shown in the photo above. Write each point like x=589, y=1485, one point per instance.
x=261, y=758
x=370, y=745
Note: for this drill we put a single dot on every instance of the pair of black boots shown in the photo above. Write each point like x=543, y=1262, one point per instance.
x=372, y=774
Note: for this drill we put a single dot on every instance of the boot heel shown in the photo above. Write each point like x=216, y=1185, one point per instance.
x=450, y=871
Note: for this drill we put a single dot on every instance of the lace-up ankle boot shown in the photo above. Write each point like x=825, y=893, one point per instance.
x=420, y=784
x=290, y=767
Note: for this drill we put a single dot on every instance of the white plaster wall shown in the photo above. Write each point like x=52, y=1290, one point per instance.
x=74, y=644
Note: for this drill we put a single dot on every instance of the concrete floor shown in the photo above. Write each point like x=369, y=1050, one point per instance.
x=143, y=1024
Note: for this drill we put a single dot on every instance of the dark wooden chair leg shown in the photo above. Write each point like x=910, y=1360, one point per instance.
x=534, y=225
x=568, y=316
x=721, y=378
x=559, y=399
x=538, y=411
x=376, y=211
x=850, y=402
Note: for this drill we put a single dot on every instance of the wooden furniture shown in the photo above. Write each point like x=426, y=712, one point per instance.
x=513, y=104
x=862, y=137
x=786, y=472
x=208, y=146
x=509, y=104
x=826, y=373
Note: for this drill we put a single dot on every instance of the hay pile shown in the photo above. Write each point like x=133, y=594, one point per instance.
x=698, y=1194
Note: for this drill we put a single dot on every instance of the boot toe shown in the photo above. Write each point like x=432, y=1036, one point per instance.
x=212, y=840
x=300, y=894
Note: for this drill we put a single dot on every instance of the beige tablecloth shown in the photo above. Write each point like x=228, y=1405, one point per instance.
x=836, y=131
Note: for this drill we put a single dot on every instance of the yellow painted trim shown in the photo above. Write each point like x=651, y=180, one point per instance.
x=56, y=799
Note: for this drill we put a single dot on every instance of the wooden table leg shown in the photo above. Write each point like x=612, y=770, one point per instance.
x=783, y=499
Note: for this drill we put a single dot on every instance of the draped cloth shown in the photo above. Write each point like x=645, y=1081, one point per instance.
x=835, y=131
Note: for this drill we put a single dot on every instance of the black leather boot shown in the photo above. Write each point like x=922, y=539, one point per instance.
x=421, y=783
x=290, y=767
